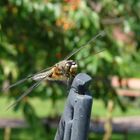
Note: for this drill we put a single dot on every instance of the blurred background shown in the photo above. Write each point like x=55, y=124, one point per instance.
x=36, y=34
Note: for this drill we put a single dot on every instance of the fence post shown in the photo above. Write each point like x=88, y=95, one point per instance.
x=74, y=123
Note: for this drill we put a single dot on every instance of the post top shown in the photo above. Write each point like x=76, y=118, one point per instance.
x=81, y=82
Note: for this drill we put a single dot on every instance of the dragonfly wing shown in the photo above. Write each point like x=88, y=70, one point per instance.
x=47, y=69
x=30, y=77
x=30, y=89
x=24, y=94
x=17, y=83
x=102, y=33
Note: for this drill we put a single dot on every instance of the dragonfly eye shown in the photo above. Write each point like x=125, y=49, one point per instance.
x=67, y=66
x=73, y=69
x=73, y=63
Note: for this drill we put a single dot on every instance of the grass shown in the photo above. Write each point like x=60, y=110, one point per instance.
x=42, y=108
x=48, y=108
x=99, y=110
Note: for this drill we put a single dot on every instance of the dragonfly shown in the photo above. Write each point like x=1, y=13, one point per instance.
x=62, y=71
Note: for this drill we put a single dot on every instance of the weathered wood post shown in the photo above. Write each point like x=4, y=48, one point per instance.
x=74, y=123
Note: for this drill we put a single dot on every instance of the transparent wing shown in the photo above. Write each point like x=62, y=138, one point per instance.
x=43, y=70
x=24, y=94
x=29, y=90
x=93, y=53
x=102, y=33
x=25, y=79
x=17, y=83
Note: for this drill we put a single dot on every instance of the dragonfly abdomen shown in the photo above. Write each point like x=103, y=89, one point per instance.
x=43, y=75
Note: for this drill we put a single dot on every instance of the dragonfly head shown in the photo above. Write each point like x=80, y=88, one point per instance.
x=71, y=67
x=68, y=67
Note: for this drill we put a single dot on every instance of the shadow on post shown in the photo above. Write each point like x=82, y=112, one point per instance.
x=74, y=123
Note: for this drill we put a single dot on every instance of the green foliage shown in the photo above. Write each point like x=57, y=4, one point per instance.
x=34, y=122
x=37, y=34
